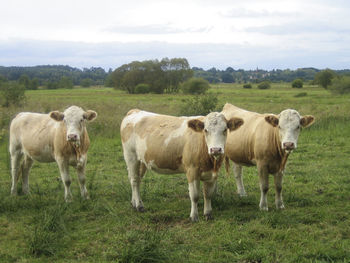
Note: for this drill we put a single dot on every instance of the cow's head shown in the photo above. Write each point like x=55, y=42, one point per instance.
x=215, y=128
x=74, y=118
x=289, y=123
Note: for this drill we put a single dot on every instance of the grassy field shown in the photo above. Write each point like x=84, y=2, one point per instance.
x=314, y=227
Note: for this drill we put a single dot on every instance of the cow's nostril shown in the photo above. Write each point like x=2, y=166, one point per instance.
x=72, y=137
x=289, y=145
x=216, y=150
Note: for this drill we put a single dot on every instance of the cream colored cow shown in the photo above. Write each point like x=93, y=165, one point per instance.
x=54, y=137
x=265, y=140
x=167, y=145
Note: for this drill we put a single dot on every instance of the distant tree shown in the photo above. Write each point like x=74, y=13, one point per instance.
x=65, y=83
x=12, y=93
x=341, y=85
x=87, y=82
x=264, y=85
x=161, y=76
x=195, y=86
x=25, y=81
x=33, y=84
x=142, y=88
x=297, y=83
x=52, y=85
x=324, y=78
x=247, y=86
x=227, y=78
x=229, y=69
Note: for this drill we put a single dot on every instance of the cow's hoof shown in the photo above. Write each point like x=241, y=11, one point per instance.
x=140, y=209
x=208, y=217
x=264, y=208
x=194, y=218
x=280, y=207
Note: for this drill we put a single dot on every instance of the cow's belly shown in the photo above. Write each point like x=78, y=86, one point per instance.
x=163, y=169
x=43, y=155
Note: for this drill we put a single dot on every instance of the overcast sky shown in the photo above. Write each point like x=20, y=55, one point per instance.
x=209, y=33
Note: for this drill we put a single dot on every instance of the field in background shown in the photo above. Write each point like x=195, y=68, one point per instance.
x=313, y=228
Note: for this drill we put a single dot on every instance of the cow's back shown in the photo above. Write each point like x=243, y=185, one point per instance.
x=33, y=134
x=157, y=140
x=252, y=141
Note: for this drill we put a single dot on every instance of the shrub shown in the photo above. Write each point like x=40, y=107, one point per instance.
x=199, y=105
x=301, y=94
x=264, y=85
x=341, y=85
x=142, y=88
x=297, y=83
x=247, y=86
x=195, y=86
x=12, y=93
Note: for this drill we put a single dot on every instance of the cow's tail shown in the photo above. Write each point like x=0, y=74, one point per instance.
x=227, y=165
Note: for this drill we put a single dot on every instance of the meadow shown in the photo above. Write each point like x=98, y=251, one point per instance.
x=314, y=227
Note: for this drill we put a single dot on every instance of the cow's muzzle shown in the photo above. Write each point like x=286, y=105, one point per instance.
x=216, y=151
x=72, y=137
x=288, y=146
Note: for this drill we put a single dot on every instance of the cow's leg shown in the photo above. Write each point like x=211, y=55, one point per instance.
x=237, y=171
x=278, y=195
x=264, y=187
x=208, y=190
x=27, y=164
x=64, y=171
x=82, y=179
x=16, y=156
x=134, y=173
x=193, y=187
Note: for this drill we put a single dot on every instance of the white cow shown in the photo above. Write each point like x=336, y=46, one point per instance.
x=167, y=144
x=54, y=137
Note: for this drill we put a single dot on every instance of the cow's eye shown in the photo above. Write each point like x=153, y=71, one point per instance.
x=205, y=130
x=298, y=127
x=225, y=132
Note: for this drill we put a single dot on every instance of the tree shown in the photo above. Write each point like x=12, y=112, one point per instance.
x=341, y=85
x=195, y=86
x=324, y=78
x=12, y=93
x=227, y=78
x=161, y=76
x=65, y=83
x=297, y=83
x=52, y=85
x=87, y=82
x=33, y=84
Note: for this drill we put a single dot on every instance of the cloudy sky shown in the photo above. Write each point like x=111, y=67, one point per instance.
x=210, y=33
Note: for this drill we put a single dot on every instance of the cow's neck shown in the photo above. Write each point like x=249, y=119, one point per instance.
x=282, y=154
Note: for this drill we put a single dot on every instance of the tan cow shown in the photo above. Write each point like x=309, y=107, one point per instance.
x=265, y=140
x=168, y=145
x=54, y=137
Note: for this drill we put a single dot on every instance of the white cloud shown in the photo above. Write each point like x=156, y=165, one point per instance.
x=209, y=33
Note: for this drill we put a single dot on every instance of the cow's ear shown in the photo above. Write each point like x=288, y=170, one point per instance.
x=196, y=125
x=272, y=119
x=90, y=115
x=307, y=120
x=234, y=123
x=56, y=115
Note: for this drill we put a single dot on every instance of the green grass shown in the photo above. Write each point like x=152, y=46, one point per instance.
x=314, y=227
